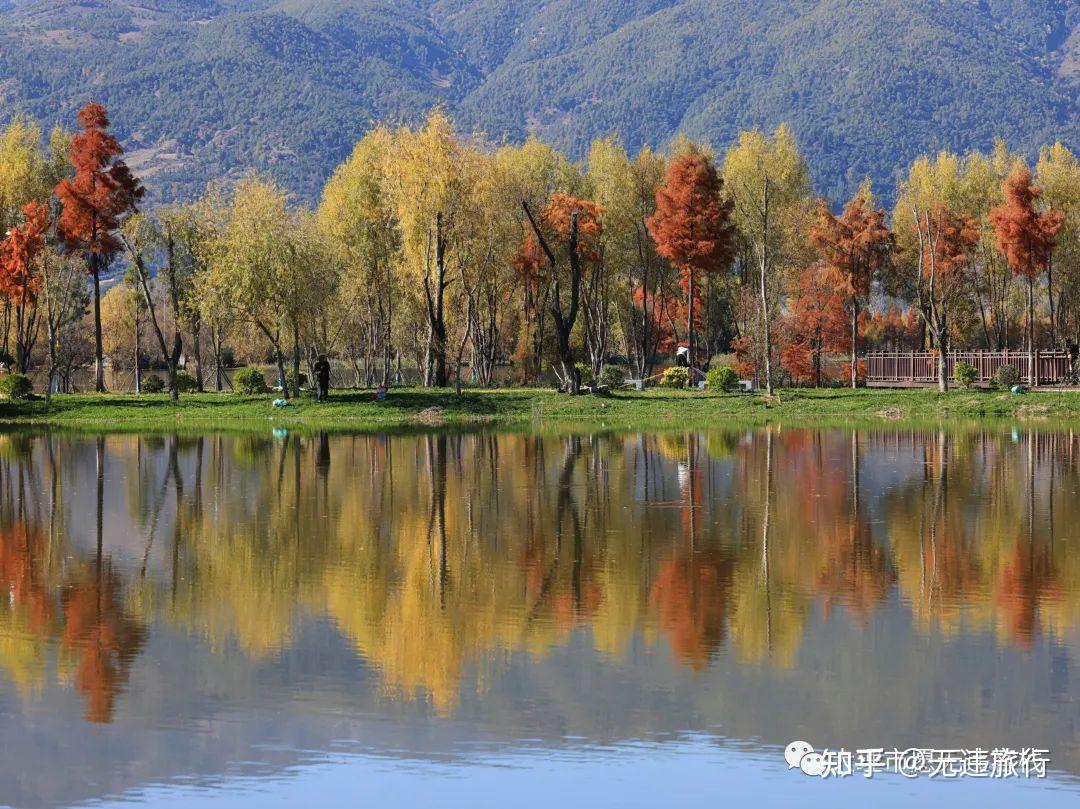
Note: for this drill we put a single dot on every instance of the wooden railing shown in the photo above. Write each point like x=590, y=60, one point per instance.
x=921, y=367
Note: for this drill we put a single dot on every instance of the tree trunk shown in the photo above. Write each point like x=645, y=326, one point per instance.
x=279, y=359
x=1031, y=330
x=196, y=335
x=296, y=360
x=215, y=338
x=138, y=366
x=571, y=377
x=1050, y=295
x=388, y=329
x=854, y=343
x=174, y=389
x=690, y=355
x=99, y=361
x=50, y=381
x=764, y=290
x=436, y=368
x=943, y=355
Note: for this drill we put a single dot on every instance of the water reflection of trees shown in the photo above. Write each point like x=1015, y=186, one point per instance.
x=441, y=554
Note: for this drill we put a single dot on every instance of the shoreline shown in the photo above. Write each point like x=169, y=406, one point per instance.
x=539, y=410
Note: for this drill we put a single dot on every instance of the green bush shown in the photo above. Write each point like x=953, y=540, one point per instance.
x=585, y=372
x=250, y=381
x=674, y=377
x=1005, y=377
x=613, y=377
x=16, y=386
x=965, y=374
x=185, y=382
x=721, y=379
x=290, y=380
x=152, y=384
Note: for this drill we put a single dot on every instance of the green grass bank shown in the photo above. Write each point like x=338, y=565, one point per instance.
x=544, y=410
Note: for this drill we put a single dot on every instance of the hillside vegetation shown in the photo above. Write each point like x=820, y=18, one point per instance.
x=206, y=89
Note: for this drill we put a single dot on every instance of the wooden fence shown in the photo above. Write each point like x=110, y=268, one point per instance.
x=920, y=367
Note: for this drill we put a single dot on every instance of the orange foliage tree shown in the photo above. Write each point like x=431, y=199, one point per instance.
x=19, y=282
x=854, y=245
x=1026, y=237
x=692, y=226
x=568, y=237
x=93, y=204
x=815, y=325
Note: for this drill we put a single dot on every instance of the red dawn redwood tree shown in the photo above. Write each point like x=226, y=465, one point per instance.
x=1027, y=239
x=854, y=246
x=815, y=324
x=18, y=281
x=692, y=225
x=93, y=203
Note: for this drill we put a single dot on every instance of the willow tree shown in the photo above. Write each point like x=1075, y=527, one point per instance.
x=165, y=242
x=529, y=174
x=626, y=187
x=426, y=181
x=482, y=262
x=937, y=237
x=63, y=298
x=979, y=179
x=1058, y=174
x=265, y=267
x=565, y=239
x=361, y=232
x=767, y=180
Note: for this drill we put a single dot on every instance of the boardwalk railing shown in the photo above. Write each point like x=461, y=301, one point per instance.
x=921, y=367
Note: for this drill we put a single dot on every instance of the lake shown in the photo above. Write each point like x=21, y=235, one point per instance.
x=507, y=619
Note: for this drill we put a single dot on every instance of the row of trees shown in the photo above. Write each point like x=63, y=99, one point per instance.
x=433, y=252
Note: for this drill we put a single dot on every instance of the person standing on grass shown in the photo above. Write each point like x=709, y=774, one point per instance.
x=322, y=377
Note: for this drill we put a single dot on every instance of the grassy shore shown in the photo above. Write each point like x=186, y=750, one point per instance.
x=414, y=408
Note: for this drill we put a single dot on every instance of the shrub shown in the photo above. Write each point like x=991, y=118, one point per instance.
x=674, y=377
x=965, y=374
x=185, y=382
x=16, y=386
x=613, y=377
x=152, y=384
x=721, y=379
x=585, y=372
x=1006, y=376
x=290, y=380
x=250, y=381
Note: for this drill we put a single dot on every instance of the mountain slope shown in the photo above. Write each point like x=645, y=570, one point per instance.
x=209, y=88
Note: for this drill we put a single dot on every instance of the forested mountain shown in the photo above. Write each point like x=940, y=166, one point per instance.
x=201, y=89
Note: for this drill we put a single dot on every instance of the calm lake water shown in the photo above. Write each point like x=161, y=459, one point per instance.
x=495, y=620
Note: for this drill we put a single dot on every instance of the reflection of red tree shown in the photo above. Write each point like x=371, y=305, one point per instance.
x=1023, y=581
x=855, y=571
x=691, y=595
x=103, y=637
x=566, y=590
x=20, y=558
